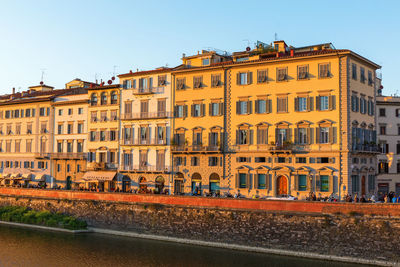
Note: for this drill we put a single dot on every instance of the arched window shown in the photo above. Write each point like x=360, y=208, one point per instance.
x=114, y=98
x=93, y=100
x=103, y=98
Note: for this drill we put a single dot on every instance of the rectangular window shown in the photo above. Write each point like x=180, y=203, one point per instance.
x=262, y=181
x=261, y=106
x=69, y=147
x=382, y=130
x=355, y=183
x=244, y=137
x=42, y=112
x=370, y=80
x=242, y=180
x=215, y=80
x=80, y=128
x=205, y=61
x=324, y=70
x=301, y=103
x=354, y=71
x=262, y=136
x=60, y=112
x=282, y=104
x=59, y=147
x=302, y=183
x=324, y=180
x=70, y=111
x=382, y=112
x=324, y=135
x=212, y=161
x=362, y=75
x=243, y=107
x=260, y=159
x=281, y=74
x=180, y=83
x=162, y=80
x=262, y=76
x=195, y=161
x=70, y=128
x=79, y=147
x=243, y=78
x=324, y=102
x=301, y=160
x=197, y=81
x=302, y=72
x=302, y=136
x=80, y=111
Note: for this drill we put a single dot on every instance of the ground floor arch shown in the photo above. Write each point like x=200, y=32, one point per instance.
x=179, y=184
x=281, y=185
x=159, y=184
x=214, y=183
x=196, y=184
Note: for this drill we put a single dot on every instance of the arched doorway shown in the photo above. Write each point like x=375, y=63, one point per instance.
x=363, y=185
x=142, y=185
x=159, y=184
x=126, y=184
x=281, y=185
x=69, y=183
x=196, y=184
x=178, y=184
x=214, y=184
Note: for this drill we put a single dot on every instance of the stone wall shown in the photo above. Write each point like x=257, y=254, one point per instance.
x=343, y=232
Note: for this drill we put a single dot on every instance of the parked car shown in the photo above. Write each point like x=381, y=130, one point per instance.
x=282, y=197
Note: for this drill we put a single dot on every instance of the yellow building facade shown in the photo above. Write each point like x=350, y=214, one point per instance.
x=290, y=122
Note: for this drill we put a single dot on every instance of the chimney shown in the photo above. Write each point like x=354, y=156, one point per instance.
x=13, y=91
x=291, y=52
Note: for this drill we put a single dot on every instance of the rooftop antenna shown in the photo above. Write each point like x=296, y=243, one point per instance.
x=42, y=74
x=95, y=76
x=276, y=37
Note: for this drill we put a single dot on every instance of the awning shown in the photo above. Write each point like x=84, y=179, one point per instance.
x=80, y=181
x=40, y=177
x=27, y=176
x=99, y=176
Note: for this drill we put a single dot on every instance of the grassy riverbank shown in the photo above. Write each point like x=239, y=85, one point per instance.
x=43, y=218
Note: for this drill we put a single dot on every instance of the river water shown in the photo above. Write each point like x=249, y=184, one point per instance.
x=25, y=247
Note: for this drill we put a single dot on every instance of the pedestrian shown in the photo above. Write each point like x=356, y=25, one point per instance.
x=394, y=199
x=385, y=198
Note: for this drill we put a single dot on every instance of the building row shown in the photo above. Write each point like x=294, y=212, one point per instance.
x=267, y=121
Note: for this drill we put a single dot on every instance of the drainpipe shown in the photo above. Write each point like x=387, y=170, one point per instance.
x=225, y=143
x=171, y=132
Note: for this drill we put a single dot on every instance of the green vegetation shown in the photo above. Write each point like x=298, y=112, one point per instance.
x=44, y=218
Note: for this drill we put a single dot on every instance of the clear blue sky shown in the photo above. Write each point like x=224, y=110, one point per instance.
x=77, y=39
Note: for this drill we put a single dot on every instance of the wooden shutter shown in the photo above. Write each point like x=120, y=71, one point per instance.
x=256, y=184
x=296, y=104
x=238, y=78
x=317, y=135
x=296, y=182
x=249, y=77
x=221, y=108
x=248, y=180
x=210, y=109
x=256, y=106
x=332, y=135
x=269, y=105
x=259, y=136
x=238, y=111
x=185, y=111
x=192, y=110
x=237, y=137
x=309, y=137
x=203, y=109
x=318, y=102
x=317, y=183
x=236, y=180
x=332, y=102
x=250, y=107
x=251, y=136
x=296, y=135
x=330, y=183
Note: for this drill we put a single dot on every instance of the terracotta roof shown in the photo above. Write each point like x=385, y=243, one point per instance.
x=272, y=56
x=105, y=87
x=130, y=74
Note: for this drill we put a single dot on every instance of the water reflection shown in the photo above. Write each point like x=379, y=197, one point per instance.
x=23, y=247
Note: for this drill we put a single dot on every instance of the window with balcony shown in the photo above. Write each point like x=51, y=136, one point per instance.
x=79, y=147
x=144, y=135
x=262, y=135
x=161, y=135
x=323, y=135
x=180, y=83
x=162, y=80
x=302, y=136
x=59, y=147
x=244, y=137
x=69, y=147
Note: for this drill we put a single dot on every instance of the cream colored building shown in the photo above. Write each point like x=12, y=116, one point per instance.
x=388, y=121
x=70, y=137
x=146, y=115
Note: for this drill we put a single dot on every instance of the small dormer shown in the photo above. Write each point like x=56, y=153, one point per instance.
x=280, y=46
x=41, y=88
x=205, y=58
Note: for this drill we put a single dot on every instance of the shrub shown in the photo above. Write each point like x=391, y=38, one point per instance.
x=25, y=215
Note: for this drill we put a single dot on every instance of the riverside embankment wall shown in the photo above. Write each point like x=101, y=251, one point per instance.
x=369, y=231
